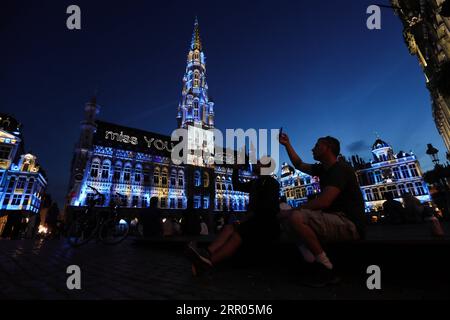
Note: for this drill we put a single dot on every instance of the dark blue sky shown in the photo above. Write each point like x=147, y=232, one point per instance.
x=313, y=68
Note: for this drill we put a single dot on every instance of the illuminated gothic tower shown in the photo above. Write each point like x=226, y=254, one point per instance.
x=195, y=107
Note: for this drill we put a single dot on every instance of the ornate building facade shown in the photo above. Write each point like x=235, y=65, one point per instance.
x=22, y=182
x=398, y=174
x=427, y=35
x=137, y=164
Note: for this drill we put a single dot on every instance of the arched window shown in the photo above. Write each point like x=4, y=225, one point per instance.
x=413, y=170
x=218, y=186
x=180, y=178
x=127, y=172
x=146, y=175
x=205, y=179
x=95, y=166
x=197, y=179
x=164, y=176
x=137, y=173
x=105, y=169
x=156, y=176
x=117, y=171
x=230, y=188
x=173, y=178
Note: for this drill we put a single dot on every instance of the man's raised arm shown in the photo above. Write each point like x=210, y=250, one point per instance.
x=295, y=159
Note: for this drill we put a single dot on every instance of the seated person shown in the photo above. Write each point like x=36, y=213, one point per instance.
x=259, y=227
x=337, y=214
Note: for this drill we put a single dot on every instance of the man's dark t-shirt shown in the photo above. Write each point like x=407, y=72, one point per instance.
x=350, y=200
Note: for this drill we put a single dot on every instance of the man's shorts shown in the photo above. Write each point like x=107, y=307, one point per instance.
x=329, y=227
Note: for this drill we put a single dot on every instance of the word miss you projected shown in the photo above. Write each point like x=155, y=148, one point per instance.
x=118, y=137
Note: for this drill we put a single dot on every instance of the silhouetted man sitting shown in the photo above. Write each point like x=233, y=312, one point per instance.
x=393, y=209
x=260, y=227
x=337, y=214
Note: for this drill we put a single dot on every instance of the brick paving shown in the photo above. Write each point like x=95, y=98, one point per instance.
x=36, y=269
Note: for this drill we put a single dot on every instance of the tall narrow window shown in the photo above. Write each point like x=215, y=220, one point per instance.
x=127, y=172
x=420, y=189
x=180, y=178
x=397, y=173
x=156, y=176
x=197, y=179
x=164, y=177
x=173, y=178
x=94, y=168
x=205, y=179
x=413, y=170
x=117, y=171
x=11, y=185
x=137, y=173
x=21, y=183
x=405, y=172
x=30, y=185
x=146, y=175
x=105, y=169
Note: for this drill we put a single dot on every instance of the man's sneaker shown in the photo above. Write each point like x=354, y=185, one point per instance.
x=320, y=277
x=200, y=259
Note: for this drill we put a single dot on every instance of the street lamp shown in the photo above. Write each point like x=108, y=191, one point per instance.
x=433, y=153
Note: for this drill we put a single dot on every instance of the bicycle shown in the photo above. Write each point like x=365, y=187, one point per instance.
x=108, y=227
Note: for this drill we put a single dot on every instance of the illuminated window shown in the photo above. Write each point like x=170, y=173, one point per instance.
x=26, y=200
x=16, y=199
x=29, y=185
x=135, y=201
x=405, y=172
x=371, y=177
x=413, y=170
x=205, y=179
x=197, y=179
x=105, y=169
x=402, y=189
x=5, y=152
x=172, y=203
x=117, y=171
x=180, y=179
x=163, y=203
x=411, y=189
x=146, y=175
x=6, y=199
x=369, y=195
x=197, y=202
x=137, y=173
x=156, y=173
x=21, y=183
x=205, y=203
x=94, y=168
x=127, y=172
x=11, y=184
x=420, y=189
x=376, y=195
x=164, y=177
x=173, y=178
x=378, y=177
x=397, y=173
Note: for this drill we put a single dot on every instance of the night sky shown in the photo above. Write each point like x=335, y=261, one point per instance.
x=313, y=68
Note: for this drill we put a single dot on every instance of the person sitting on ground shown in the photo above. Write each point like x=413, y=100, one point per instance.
x=260, y=226
x=393, y=210
x=337, y=214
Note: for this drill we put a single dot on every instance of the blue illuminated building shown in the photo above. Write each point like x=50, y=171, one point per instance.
x=22, y=181
x=399, y=174
x=137, y=163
